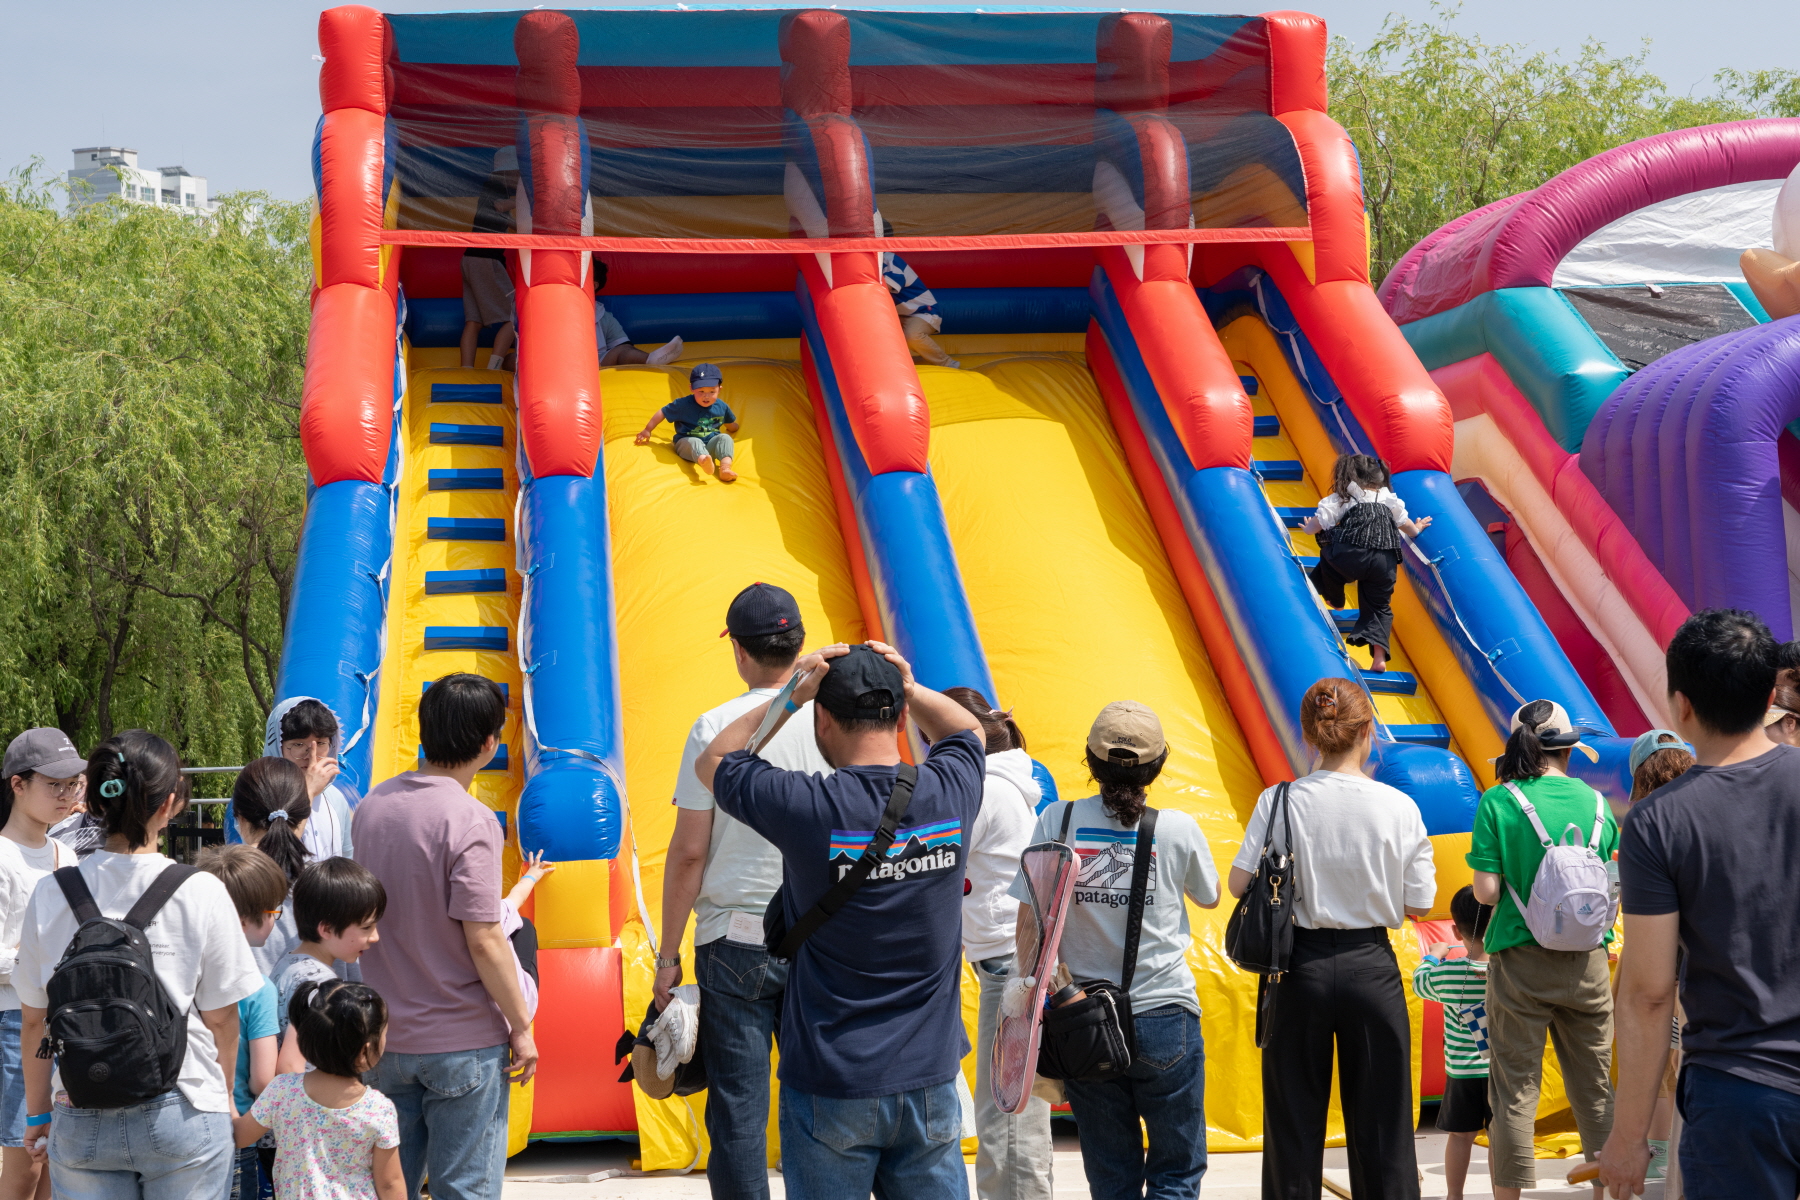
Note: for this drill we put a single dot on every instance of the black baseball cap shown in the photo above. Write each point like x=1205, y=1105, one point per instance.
x=862, y=686
x=761, y=609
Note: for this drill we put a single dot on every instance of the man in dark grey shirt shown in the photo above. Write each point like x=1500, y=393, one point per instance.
x=1707, y=864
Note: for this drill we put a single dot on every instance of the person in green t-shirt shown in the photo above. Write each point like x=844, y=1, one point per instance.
x=1531, y=989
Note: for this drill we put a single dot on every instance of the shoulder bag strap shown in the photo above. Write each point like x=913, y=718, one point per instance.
x=75, y=891
x=905, y=776
x=158, y=893
x=1531, y=814
x=1140, y=889
x=1599, y=820
x=1281, y=804
x=1068, y=812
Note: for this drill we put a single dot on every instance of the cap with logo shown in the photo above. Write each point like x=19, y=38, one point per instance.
x=759, y=610
x=1556, y=731
x=862, y=686
x=1127, y=733
x=1649, y=743
x=46, y=751
x=705, y=375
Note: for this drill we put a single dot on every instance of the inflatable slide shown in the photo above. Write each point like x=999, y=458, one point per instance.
x=1619, y=398
x=1147, y=245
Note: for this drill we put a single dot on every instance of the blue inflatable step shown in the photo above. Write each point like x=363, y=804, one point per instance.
x=466, y=529
x=466, y=637
x=1422, y=735
x=1291, y=517
x=1265, y=427
x=465, y=393
x=1345, y=618
x=444, y=434
x=1275, y=470
x=505, y=690
x=454, y=583
x=500, y=762
x=1249, y=384
x=1391, y=683
x=467, y=479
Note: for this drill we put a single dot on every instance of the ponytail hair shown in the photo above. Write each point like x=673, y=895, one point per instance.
x=270, y=796
x=1525, y=756
x=1334, y=715
x=999, y=728
x=129, y=777
x=1122, y=785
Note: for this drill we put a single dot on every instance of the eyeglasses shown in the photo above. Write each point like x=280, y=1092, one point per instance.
x=66, y=788
x=274, y=912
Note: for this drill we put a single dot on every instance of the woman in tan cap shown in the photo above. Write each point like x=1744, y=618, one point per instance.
x=1362, y=864
x=1164, y=1085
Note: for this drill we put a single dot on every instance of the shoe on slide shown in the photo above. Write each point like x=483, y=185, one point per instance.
x=705, y=463
x=953, y=364
x=665, y=354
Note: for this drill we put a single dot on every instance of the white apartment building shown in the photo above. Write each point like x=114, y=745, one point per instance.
x=108, y=171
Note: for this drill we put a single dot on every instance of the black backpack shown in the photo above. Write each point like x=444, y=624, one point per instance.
x=118, y=1038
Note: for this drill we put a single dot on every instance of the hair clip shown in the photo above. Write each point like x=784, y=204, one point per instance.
x=279, y=814
x=112, y=789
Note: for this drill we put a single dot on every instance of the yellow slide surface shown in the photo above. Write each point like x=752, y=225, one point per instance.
x=683, y=545
x=1077, y=606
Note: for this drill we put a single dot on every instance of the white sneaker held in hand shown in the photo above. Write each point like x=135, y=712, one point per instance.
x=677, y=1029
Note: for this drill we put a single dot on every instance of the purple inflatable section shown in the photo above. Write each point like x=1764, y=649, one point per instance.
x=1518, y=241
x=1685, y=452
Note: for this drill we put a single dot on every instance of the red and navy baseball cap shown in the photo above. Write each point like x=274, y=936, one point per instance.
x=761, y=609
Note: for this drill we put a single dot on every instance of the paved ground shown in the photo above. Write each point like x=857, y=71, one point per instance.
x=553, y=1172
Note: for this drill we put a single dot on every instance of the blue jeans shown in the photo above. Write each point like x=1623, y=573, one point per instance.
x=1166, y=1086
x=162, y=1149
x=247, y=1177
x=906, y=1146
x=12, y=1082
x=740, y=1009
x=1740, y=1140
x=452, y=1110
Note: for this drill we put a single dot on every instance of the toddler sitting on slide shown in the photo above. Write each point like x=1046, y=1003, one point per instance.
x=703, y=423
x=1359, y=526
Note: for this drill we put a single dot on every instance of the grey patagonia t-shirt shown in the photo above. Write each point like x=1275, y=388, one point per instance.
x=1093, y=940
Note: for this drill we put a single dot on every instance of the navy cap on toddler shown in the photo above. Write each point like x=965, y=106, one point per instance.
x=706, y=375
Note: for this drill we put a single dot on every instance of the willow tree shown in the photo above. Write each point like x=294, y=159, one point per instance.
x=151, y=482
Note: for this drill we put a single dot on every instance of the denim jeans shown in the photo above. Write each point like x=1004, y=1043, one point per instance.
x=740, y=1009
x=162, y=1149
x=1166, y=1087
x=1013, y=1158
x=12, y=1082
x=907, y=1146
x=247, y=1181
x=1740, y=1140
x=452, y=1110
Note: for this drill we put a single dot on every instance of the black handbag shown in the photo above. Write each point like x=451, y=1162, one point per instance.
x=1260, y=935
x=783, y=942
x=1093, y=1039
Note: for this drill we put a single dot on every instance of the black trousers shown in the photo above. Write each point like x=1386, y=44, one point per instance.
x=1374, y=572
x=1343, y=987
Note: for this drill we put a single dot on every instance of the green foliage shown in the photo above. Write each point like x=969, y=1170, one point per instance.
x=1445, y=122
x=151, y=479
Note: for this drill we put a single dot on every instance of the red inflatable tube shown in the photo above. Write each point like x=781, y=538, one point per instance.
x=1234, y=677
x=350, y=200
x=347, y=398
x=1131, y=57
x=815, y=62
x=357, y=44
x=1297, y=44
x=1583, y=649
x=1191, y=370
x=1334, y=204
x=875, y=373
x=840, y=495
x=558, y=379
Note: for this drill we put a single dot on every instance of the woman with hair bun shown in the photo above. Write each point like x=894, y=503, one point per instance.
x=1362, y=864
x=271, y=805
x=177, y=1143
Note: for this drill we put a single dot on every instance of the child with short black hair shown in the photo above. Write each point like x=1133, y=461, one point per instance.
x=1359, y=526
x=703, y=423
x=337, y=1136
x=1460, y=985
x=337, y=904
x=258, y=888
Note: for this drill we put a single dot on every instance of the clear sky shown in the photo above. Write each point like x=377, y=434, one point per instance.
x=228, y=88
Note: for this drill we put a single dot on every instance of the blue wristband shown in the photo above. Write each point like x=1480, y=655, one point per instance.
x=33, y=1119
x=789, y=706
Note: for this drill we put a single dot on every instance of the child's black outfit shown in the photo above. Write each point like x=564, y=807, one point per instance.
x=1360, y=543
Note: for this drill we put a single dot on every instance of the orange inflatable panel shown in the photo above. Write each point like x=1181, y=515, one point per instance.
x=580, y=1005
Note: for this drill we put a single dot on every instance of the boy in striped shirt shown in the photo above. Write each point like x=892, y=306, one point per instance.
x=1460, y=985
x=916, y=306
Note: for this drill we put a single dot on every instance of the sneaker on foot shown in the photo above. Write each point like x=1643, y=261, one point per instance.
x=705, y=463
x=666, y=353
x=953, y=364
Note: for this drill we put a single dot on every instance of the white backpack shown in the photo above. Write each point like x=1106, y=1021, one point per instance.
x=1572, y=904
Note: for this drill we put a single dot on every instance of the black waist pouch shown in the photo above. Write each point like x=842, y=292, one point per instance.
x=1086, y=1040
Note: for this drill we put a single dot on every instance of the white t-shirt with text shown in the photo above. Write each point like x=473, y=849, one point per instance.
x=742, y=868
x=1361, y=857
x=1093, y=940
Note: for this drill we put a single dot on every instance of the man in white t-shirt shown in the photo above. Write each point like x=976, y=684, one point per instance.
x=725, y=874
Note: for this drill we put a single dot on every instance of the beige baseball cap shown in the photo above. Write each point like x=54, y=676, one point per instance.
x=1556, y=731
x=1126, y=732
